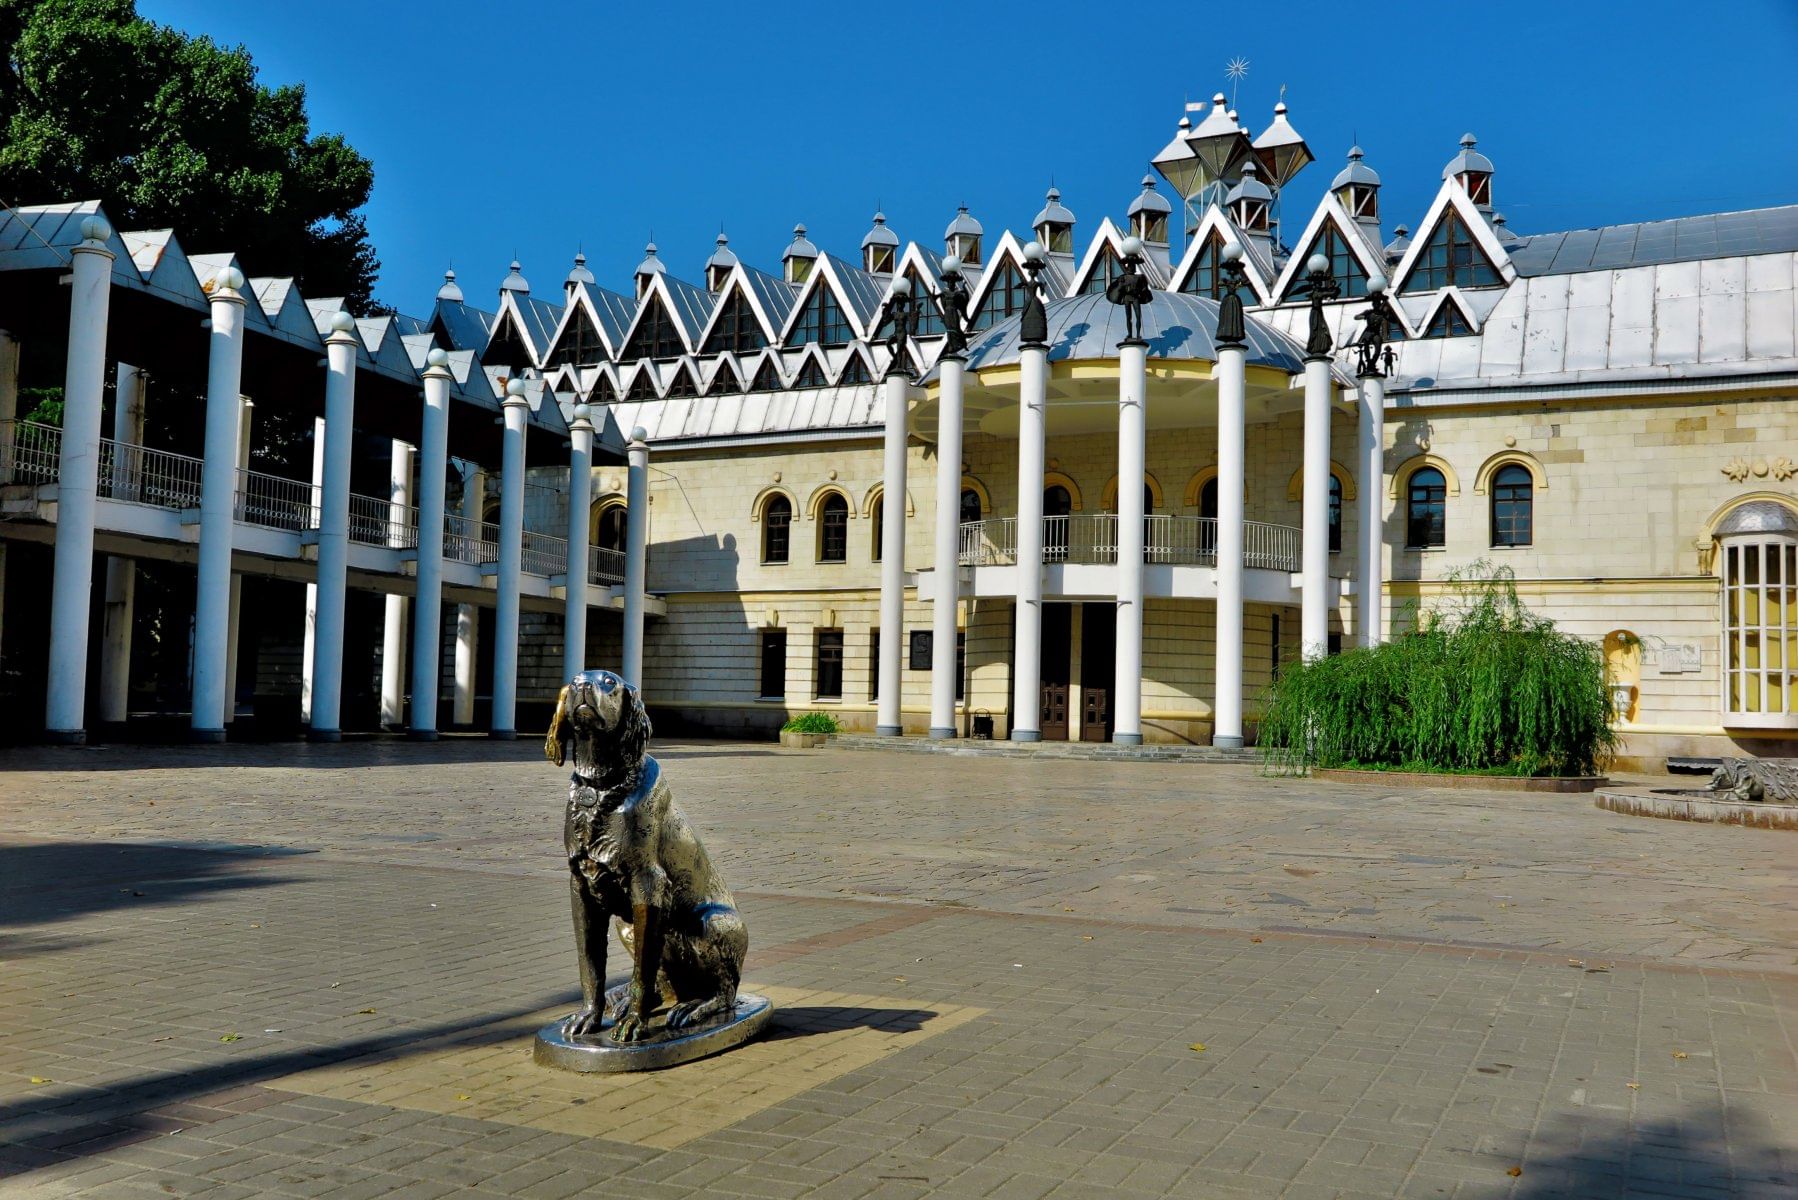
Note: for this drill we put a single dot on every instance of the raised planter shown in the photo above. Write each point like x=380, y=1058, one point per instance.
x=1675, y=804
x=794, y=740
x=1494, y=783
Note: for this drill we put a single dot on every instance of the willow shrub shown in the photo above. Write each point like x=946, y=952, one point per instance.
x=1478, y=684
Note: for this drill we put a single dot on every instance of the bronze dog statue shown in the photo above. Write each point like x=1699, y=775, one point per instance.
x=633, y=857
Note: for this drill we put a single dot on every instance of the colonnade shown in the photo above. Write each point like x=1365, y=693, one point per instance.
x=1317, y=589
x=216, y=596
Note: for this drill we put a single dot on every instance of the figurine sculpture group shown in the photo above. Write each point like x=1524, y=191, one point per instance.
x=634, y=860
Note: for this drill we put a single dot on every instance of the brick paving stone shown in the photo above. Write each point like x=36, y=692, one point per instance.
x=1055, y=965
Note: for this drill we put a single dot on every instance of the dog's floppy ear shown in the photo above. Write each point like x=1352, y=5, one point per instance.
x=555, y=746
x=633, y=733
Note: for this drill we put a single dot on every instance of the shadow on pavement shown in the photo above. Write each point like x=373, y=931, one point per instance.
x=45, y=882
x=70, y=1123
x=1702, y=1152
x=805, y=1021
x=355, y=754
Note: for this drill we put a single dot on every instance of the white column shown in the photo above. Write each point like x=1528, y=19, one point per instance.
x=952, y=371
x=245, y=412
x=636, y=553
x=218, y=501
x=468, y=617
x=311, y=626
x=393, y=626
x=580, y=499
x=1372, y=447
x=1232, y=420
x=889, y=720
x=121, y=573
x=1126, y=710
x=427, y=605
x=1027, y=675
x=511, y=558
x=1314, y=556
x=77, y=481
x=334, y=531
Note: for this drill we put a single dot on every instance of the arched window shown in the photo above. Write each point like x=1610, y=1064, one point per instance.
x=611, y=529
x=1426, y=508
x=1057, y=504
x=1335, y=514
x=970, y=505
x=1208, y=518
x=1758, y=562
x=1513, y=506
x=833, y=529
x=777, y=526
x=879, y=530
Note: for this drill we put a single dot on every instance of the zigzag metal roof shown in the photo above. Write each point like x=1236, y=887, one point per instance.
x=1647, y=243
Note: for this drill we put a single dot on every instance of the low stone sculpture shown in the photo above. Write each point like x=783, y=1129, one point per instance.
x=1757, y=780
x=633, y=859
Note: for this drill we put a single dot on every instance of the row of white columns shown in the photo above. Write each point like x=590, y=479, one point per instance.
x=217, y=591
x=1230, y=372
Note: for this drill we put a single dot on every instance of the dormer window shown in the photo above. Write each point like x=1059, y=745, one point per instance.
x=880, y=260
x=799, y=270
x=1057, y=237
x=715, y=277
x=1363, y=202
x=822, y=321
x=1206, y=277
x=1479, y=187
x=1451, y=256
x=1251, y=214
x=1345, y=268
x=1150, y=226
x=1005, y=298
x=1108, y=268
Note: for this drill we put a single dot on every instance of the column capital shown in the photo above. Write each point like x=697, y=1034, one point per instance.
x=514, y=397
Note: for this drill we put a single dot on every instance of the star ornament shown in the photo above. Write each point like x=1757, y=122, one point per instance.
x=1237, y=68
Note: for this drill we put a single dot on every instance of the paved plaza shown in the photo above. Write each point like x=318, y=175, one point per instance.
x=308, y=971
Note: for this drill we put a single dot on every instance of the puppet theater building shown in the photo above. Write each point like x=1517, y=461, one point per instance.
x=1065, y=537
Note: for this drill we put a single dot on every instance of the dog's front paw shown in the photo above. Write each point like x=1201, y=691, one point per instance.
x=628, y=1029
x=585, y=1023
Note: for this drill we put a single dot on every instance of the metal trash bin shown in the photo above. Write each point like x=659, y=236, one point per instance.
x=983, y=725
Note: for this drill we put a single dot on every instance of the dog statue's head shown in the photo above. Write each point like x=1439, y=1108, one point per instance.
x=601, y=722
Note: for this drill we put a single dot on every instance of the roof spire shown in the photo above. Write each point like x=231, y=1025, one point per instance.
x=449, y=291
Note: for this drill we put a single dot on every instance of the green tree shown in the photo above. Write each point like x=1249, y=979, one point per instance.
x=168, y=130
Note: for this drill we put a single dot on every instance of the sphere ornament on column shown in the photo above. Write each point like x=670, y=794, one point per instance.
x=1232, y=329
x=437, y=359
x=583, y=413
x=514, y=391
x=1130, y=290
x=641, y=435
x=228, y=280
x=96, y=229
x=1033, y=323
x=341, y=321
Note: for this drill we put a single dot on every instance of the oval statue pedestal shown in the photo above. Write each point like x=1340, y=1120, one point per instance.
x=662, y=1048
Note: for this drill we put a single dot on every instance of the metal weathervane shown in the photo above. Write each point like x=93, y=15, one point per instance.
x=1237, y=69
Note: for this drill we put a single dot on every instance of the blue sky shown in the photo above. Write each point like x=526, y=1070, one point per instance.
x=540, y=126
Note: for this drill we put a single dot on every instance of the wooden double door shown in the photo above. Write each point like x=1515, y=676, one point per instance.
x=1098, y=666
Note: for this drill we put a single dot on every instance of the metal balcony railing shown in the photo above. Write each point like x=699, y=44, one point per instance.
x=30, y=453
x=1091, y=538
x=140, y=475
x=544, y=555
x=604, y=566
x=462, y=541
x=275, y=502
x=372, y=523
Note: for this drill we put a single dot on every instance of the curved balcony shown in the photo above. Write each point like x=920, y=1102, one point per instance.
x=1090, y=539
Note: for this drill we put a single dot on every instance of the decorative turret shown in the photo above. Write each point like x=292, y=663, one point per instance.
x=1473, y=171
x=962, y=238
x=799, y=258
x=450, y=291
x=880, y=248
x=648, y=269
x=1507, y=237
x=515, y=281
x=1401, y=242
x=1054, y=225
x=718, y=266
x=1149, y=213
x=1358, y=187
x=1281, y=154
x=1249, y=202
x=577, y=276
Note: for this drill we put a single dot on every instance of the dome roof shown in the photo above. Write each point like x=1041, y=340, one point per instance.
x=1149, y=200
x=450, y=290
x=651, y=265
x=514, y=280
x=721, y=258
x=1176, y=325
x=1249, y=187
x=1356, y=172
x=799, y=247
x=579, y=273
x=1758, y=516
x=1053, y=211
x=963, y=223
x=880, y=235
x=1468, y=160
